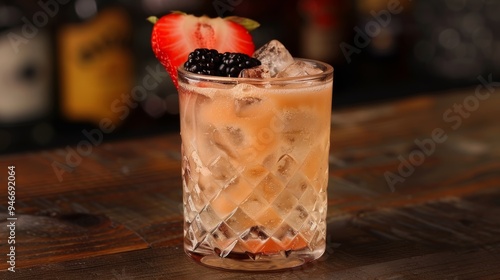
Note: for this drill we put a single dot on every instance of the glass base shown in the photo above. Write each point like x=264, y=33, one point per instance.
x=257, y=262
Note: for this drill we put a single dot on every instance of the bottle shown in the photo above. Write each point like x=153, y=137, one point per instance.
x=95, y=63
x=381, y=24
x=322, y=29
x=26, y=89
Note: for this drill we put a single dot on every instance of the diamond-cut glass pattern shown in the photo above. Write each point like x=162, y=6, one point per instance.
x=284, y=203
x=285, y=168
x=254, y=205
x=254, y=171
x=274, y=205
x=222, y=205
x=269, y=188
x=254, y=209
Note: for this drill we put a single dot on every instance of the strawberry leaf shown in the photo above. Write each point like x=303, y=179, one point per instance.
x=249, y=24
x=152, y=19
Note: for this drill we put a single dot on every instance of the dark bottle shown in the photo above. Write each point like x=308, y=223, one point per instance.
x=322, y=29
x=379, y=44
x=95, y=63
x=26, y=74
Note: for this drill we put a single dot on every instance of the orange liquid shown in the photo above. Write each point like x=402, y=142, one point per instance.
x=255, y=167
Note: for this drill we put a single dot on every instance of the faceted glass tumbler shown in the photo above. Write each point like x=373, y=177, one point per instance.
x=255, y=168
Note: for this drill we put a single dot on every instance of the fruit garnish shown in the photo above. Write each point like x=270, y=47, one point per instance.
x=177, y=34
x=211, y=62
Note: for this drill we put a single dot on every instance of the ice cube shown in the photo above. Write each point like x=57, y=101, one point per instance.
x=298, y=69
x=228, y=139
x=309, y=198
x=303, y=121
x=254, y=205
x=297, y=217
x=298, y=185
x=285, y=202
x=222, y=206
x=246, y=106
x=285, y=232
x=269, y=188
x=238, y=190
x=243, y=102
x=239, y=222
x=246, y=100
x=275, y=56
x=270, y=220
x=235, y=135
x=255, y=232
x=210, y=218
x=285, y=168
x=258, y=72
x=223, y=171
x=223, y=233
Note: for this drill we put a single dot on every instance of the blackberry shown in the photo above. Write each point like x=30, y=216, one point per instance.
x=233, y=63
x=203, y=61
x=210, y=62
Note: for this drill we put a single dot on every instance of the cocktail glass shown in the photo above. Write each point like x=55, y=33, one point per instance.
x=255, y=168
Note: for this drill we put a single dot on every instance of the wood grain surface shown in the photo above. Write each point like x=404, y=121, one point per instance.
x=114, y=211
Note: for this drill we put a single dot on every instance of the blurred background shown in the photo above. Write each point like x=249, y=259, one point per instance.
x=83, y=69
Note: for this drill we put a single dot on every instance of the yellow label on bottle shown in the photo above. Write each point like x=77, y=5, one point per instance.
x=96, y=67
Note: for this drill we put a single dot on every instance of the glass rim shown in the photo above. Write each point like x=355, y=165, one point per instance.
x=323, y=76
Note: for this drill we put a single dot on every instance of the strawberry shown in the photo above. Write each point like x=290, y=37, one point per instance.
x=177, y=34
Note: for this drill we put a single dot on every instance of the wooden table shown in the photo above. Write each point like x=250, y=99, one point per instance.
x=414, y=193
